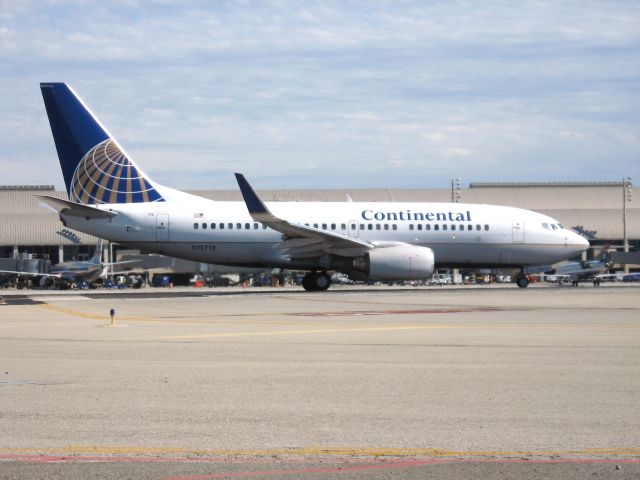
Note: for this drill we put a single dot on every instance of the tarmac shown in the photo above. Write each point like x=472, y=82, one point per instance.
x=356, y=382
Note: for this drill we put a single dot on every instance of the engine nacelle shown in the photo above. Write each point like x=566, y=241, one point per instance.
x=401, y=262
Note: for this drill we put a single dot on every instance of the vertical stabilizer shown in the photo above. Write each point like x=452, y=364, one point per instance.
x=97, y=255
x=95, y=168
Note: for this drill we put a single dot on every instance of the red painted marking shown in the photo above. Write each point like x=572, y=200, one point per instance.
x=381, y=465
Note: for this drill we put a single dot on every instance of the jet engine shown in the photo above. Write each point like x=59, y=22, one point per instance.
x=401, y=262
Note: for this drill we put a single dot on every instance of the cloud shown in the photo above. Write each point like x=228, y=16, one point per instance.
x=362, y=94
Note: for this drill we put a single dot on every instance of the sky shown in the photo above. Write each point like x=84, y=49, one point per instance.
x=344, y=94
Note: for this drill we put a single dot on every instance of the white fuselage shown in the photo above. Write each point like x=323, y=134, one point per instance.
x=224, y=233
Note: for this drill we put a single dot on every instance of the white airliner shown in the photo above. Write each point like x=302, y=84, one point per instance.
x=110, y=197
x=68, y=273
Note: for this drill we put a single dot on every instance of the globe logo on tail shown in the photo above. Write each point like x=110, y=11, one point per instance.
x=106, y=175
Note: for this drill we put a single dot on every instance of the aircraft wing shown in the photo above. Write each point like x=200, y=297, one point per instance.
x=108, y=264
x=30, y=274
x=300, y=241
x=75, y=209
x=606, y=275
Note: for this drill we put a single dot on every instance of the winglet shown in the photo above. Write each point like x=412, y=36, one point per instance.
x=255, y=205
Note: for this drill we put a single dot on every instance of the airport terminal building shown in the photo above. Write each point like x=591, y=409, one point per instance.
x=597, y=210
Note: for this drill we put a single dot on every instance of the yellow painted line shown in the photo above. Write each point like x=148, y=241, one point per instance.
x=297, y=332
x=195, y=320
x=74, y=313
x=318, y=451
x=220, y=320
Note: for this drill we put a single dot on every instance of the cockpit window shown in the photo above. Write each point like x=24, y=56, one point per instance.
x=553, y=225
x=545, y=225
x=560, y=225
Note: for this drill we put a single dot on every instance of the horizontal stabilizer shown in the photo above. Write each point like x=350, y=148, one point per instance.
x=75, y=209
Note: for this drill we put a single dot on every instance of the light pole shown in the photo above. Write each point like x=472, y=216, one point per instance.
x=455, y=190
x=455, y=198
x=626, y=197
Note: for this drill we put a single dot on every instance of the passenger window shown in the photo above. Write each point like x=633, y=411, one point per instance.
x=324, y=226
x=419, y=226
x=462, y=228
x=315, y=225
x=362, y=226
x=436, y=227
x=410, y=226
x=247, y=226
x=255, y=226
x=195, y=226
x=343, y=226
x=204, y=226
x=231, y=226
x=222, y=226
x=239, y=226
x=427, y=226
x=478, y=227
x=469, y=227
x=353, y=226
x=213, y=226
x=394, y=227
x=377, y=226
x=486, y=227
x=386, y=226
x=333, y=226
x=453, y=227
x=370, y=226
x=264, y=227
x=444, y=227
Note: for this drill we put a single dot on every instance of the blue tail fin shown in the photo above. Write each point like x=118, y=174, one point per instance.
x=95, y=168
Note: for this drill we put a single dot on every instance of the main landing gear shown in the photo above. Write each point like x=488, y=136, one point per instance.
x=521, y=280
x=316, y=282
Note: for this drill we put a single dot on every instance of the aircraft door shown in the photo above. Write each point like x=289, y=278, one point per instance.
x=353, y=228
x=162, y=227
x=518, y=231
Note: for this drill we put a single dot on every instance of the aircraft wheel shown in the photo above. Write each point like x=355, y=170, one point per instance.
x=522, y=281
x=316, y=282
x=322, y=281
x=308, y=282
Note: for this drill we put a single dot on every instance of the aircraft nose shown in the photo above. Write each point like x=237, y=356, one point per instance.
x=578, y=242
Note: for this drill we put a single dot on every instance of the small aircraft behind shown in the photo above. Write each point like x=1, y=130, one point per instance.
x=586, y=271
x=73, y=272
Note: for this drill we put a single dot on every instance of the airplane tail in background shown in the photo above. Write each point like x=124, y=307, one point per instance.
x=97, y=255
x=95, y=168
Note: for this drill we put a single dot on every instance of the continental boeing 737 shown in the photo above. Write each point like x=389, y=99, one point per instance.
x=112, y=198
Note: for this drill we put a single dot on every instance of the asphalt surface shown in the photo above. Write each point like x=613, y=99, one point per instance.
x=352, y=383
